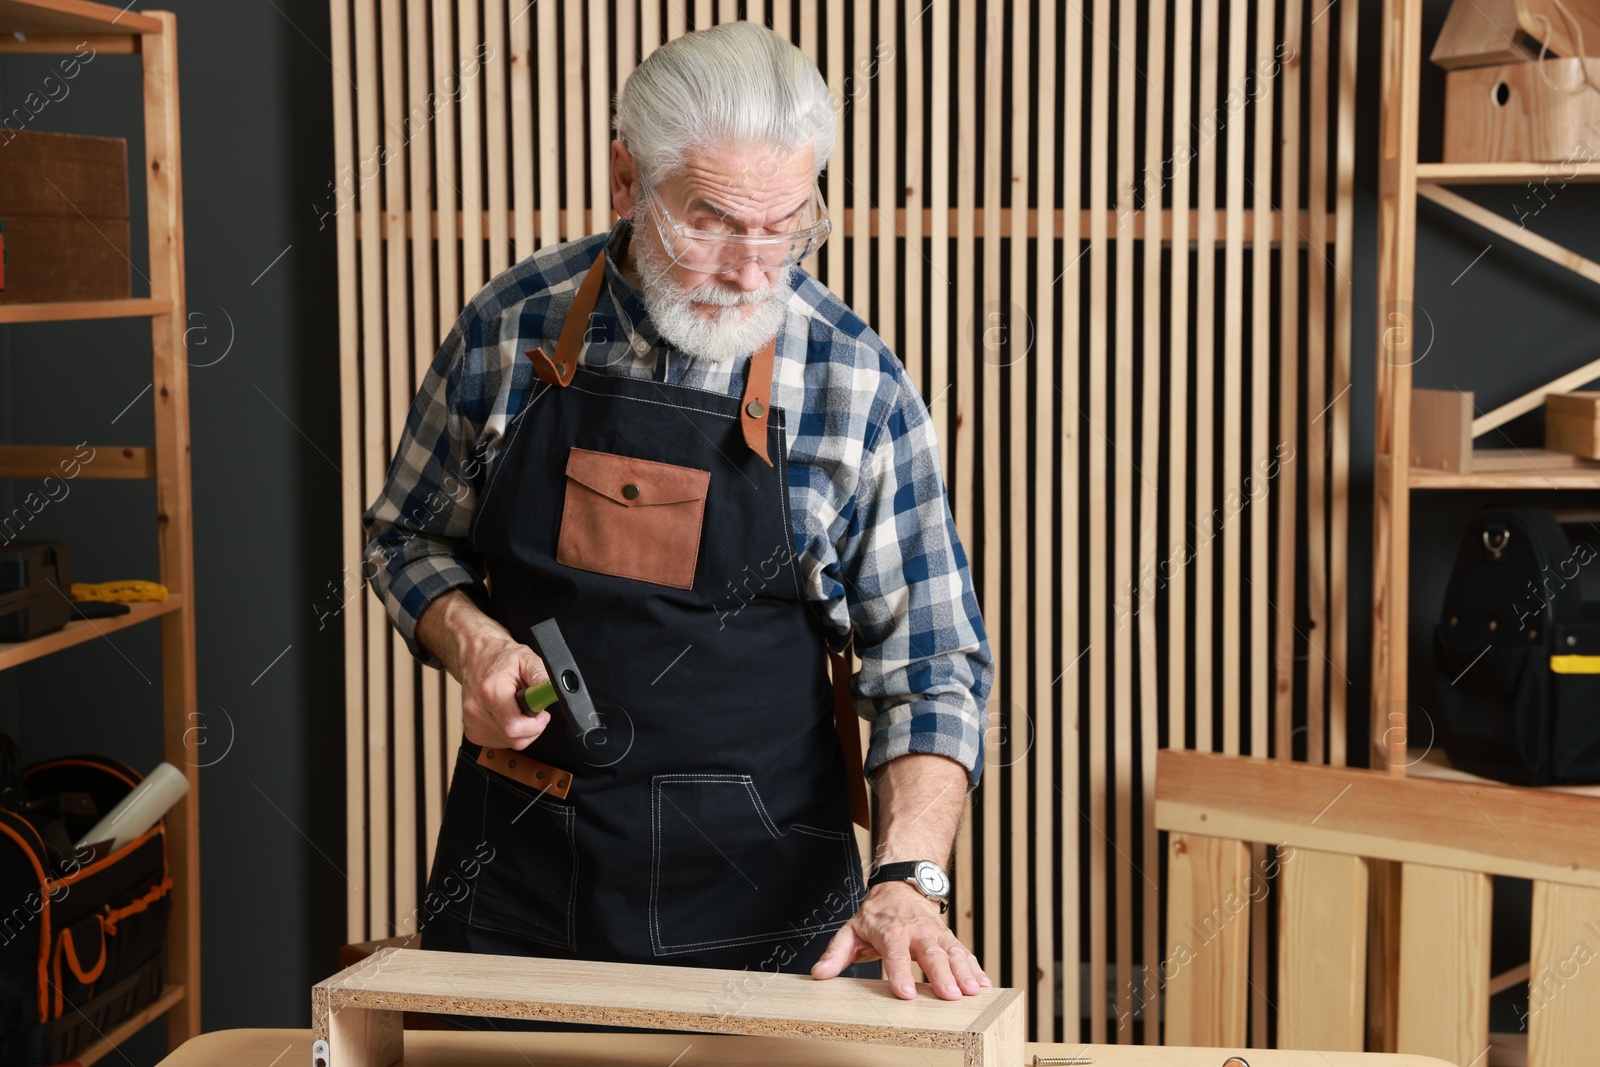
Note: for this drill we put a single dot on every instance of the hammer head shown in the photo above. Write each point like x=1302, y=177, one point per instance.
x=571, y=694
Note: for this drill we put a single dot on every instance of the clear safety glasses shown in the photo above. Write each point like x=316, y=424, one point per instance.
x=718, y=251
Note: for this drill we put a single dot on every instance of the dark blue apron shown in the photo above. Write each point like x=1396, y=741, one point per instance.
x=709, y=821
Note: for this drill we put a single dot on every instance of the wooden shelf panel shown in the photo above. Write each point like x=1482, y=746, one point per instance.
x=1506, y=173
x=71, y=16
x=1438, y=766
x=13, y=653
x=1507, y=468
x=109, y=461
x=69, y=311
x=170, y=996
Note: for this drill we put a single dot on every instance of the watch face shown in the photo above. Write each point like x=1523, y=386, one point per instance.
x=932, y=879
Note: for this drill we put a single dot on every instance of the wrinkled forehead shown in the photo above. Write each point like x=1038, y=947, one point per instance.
x=752, y=183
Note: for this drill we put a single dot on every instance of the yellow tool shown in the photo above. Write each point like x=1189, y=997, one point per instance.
x=132, y=589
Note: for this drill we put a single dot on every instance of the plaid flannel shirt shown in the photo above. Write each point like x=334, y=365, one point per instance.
x=875, y=542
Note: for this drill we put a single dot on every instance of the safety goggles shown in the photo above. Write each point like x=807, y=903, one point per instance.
x=721, y=251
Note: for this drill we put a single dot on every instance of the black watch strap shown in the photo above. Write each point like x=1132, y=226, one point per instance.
x=893, y=872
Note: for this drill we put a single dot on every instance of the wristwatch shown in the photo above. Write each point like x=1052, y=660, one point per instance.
x=926, y=876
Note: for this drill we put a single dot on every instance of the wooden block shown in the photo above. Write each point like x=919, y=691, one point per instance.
x=357, y=1011
x=1563, y=1003
x=1478, y=33
x=50, y=258
x=1208, y=939
x=1444, y=963
x=63, y=175
x=1521, y=112
x=1572, y=424
x=1441, y=429
x=1322, y=949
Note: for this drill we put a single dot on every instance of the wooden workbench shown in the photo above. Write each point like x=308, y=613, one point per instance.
x=292, y=1048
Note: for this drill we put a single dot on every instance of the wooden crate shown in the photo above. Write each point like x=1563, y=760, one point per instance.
x=64, y=218
x=356, y=1014
x=1522, y=112
x=1572, y=424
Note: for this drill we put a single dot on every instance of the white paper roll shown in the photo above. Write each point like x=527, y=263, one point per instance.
x=140, y=809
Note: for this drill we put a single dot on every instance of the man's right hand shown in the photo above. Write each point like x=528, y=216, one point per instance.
x=492, y=667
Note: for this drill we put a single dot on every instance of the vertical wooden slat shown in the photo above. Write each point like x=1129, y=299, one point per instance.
x=702, y=14
x=727, y=10
x=626, y=35
x=424, y=337
x=835, y=203
x=375, y=440
x=1094, y=428
x=883, y=57
x=1151, y=472
x=1444, y=963
x=1048, y=843
x=1018, y=734
x=677, y=14
x=352, y=499
x=494, y=94
x=1071, y=654
x=548, y=64
x=1339, y=417
x=1205, y=526
x=472, y=201
x=574, y=140
x=1316, y=401
x=913, y=350
x=597, y=78
x=1286, y=492
x=1206, y=940
x=857, y=103
x=833, y=259
x=1563, y=1006
x=939, y=285
x=1122, y=509
x=649, y=30
x=1322, y=951
x=523, y=157
x=398, y=374
x=1177, y=554
x=1233, y=300
x=976, y=445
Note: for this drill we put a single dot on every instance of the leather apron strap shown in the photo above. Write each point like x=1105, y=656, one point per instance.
x=849, y=726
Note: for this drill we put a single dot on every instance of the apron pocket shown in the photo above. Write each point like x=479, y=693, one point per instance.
x=530, y=889
x=632, y=518
x=724, y=874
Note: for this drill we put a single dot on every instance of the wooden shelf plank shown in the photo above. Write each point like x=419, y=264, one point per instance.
x=13, y=653
x=71, y=16
x=169, y=997
x=107, y=461
x=1437, y=765
x=1508, y=468
x=1506, y=173
x=72, y=310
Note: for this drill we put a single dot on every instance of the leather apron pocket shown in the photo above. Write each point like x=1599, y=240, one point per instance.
x=529, y=890
x=724, y=874
x=632, y=518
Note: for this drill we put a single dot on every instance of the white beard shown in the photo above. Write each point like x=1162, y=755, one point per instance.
x=732, y=333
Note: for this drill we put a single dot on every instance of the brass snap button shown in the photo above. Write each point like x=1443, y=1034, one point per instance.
x=755, y=409
x=631, y=491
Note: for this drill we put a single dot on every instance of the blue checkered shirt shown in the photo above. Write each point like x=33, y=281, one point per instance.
x=876, y=544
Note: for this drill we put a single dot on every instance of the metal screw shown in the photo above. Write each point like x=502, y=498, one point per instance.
x=1042, y=1061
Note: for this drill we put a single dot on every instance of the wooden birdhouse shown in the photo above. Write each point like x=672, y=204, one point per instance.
x=1523, y=82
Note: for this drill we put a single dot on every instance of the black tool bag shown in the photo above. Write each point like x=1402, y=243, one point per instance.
x=1517, y=651
x=82, y=935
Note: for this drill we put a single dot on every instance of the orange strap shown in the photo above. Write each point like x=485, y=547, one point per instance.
x=757, y=399
x=527, y=770
x=849, y=725
x=568, y=347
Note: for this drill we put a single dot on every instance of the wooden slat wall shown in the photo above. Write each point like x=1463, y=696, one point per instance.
x=1129, y=422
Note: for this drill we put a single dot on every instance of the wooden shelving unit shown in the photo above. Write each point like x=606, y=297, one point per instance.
x=59, y=26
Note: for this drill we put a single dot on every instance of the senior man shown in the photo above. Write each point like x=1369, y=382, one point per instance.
x=709, y=472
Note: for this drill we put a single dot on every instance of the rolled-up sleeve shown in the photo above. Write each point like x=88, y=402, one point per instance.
x=417, y=529
x=926, y=667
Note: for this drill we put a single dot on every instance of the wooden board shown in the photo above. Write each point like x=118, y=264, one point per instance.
x=1444, y=963
x=257, y=1048
x=1521, y=833
x=1572, y=423
x=1540, y=111
x=1208, y=932
x=1479, y=33
x=1562, y=1010
x=987, y=1028
x=1322, y=946
x=1441, y=429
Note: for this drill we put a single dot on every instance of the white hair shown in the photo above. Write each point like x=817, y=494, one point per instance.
x=737, y=83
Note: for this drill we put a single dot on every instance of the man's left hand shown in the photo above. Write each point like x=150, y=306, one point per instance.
x=897, y=924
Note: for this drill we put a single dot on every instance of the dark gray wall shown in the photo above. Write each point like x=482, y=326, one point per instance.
x=257, y=149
